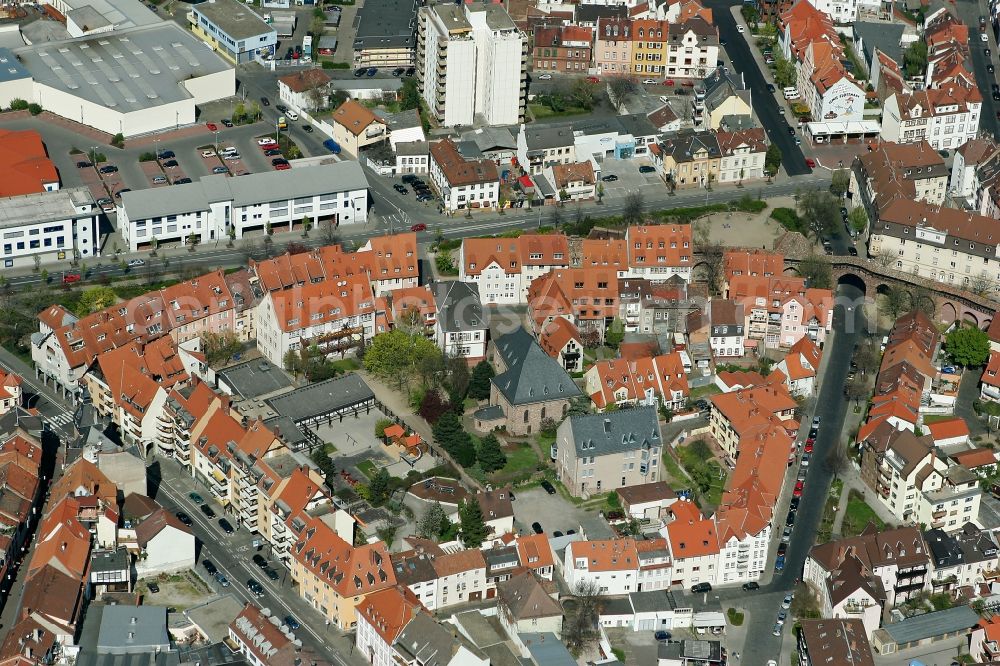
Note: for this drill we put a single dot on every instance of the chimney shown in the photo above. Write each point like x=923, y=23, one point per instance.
x=607, y=426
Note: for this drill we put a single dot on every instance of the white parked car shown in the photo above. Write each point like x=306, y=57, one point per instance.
x=208, y=153
x=136, y=262
x=983, y=37
x=264, y=141
x=650, y=82
x=739, y=29
x=544, y=77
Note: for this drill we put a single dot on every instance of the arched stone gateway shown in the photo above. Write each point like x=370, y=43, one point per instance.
x=947, y=313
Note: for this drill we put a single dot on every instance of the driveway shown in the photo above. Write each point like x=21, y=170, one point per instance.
x=554, y=513
x=968, y=392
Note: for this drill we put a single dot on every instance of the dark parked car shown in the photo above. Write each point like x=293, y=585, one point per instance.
x=184, y=518
x=167, y=155
x=610, y=178
x=209, y=567
x=291, y=622
x=372, y=71
x=361, y=71
x=751, y=586
x=170, y=164
x=332, y=146
x=282, y=108
x=662, y=636
x=410, y=71
x=182, y=181
x=221, y=580
x=255, y=587
x=557, y=533
x=853, y=251
x=646, y=169
x=84, y=165
x=109, y=168
x=153, y=587
x=794, y=504
x=427, y=196
x=271, y=573
x=265, y=101
x=790, y=518
x=770, y=87
x=399, y=188
x=272, y=152
x=227, y=122
x=259, y=560
x=549, y=488
x=782, y=548
x=278, y=160
x=207, y=510
x=700, y=588
x=410, y=178
x=538, y=528
x=307, y=129
x=398, y=71
x=226, y=526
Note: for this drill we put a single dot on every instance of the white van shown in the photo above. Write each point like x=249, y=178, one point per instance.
x=292, y=115
x=791, y=92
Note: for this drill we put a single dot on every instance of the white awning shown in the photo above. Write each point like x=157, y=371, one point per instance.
x=835, y=128
x=708, y=619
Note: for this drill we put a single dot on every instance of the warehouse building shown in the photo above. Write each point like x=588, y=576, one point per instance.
x=220, y=207
x=53, y=226
x=135, y=81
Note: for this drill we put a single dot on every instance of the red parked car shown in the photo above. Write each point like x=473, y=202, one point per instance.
x=593, y=79
x=798, y=488
x=809, y=446
x=811, y=163
x=668, y=82
x=70, y=278
x=211, y=126
x=419, y=227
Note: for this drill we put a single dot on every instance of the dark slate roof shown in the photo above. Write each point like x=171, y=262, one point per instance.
x=931, y=625
x=531, y=375
x=590, y=13
x=322, y=398
x=614, y=432
x=458, y=306
x=965, y=546
x=882, y=36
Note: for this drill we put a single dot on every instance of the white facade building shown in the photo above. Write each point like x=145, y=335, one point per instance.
x=54, y=226
x=471, y=64
x=219, y=207
x=618, y=566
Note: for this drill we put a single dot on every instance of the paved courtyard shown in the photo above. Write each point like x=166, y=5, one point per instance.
x=555, y=513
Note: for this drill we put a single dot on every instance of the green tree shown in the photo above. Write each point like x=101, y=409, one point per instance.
x=433, y=523
x=378, y=487
x=324, y=463
x=409, y=96
x=473, y=527
x=479, y=383
x=915, y=58
x=582, y=94
x=840, y=182
x=858, y=219
x=292, y=362
x=491, y=457
x=397, y=355
x=615, y=333
x=380, y=427
x=784, y=71
x=772, y=159
x=816, y=270
x=452, y=437
x=95, y=298
x=821, y=212
x=897, y=301
x=220, y=347
x=968, y=346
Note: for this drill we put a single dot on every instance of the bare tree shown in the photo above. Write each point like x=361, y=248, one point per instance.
x=712, y=256
x=580, y=629
x=619, y=88
x=250, y=248
x=328, y=232
x=981, y=284
x=635, y=206
x=885, y=257
x=836, y=460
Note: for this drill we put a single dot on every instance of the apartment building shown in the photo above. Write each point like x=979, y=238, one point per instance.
x=649, y=46
x=688, y=159
x=755, y=263
x=333, y=316
x=780, y=311
x=800, y=367
x=965, y=169
x=20, y=460
x=692, y=48
x=867, y=571
x=524, y=606
x=650, y=307
x=842, y=641
x=573, y=182
x=719, y=97
x=10, y=391
x=262, y=642
x=52, y=226
x=613, y=46
x=747, y=411
x=659, y=252
x=356, y=127
x=460, y=327
x=305, y=90
x=650, y=381
x=913, y=171
x=385, y=34
x=471, y=64
x=943, y=244
x=461, y=577
x=595, y=453
x=727, y=322
x=693, y=544
x=565, y=48
x=961, y=558
x=617, y=566
x=535, y=554
x=504, y=268
x=539, y=147
x=945, y=117
x=463, y=183
x=588, y=297
x=561, y=341
x=743, y=153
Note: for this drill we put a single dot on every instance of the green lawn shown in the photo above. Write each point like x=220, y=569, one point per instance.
x=346, y=365
x=520, y=459
x=858, y=516
x=367, y=467
x=935, y=418
x=704, y=391
x=708, y=476
x=676, y=476
x=541, y=111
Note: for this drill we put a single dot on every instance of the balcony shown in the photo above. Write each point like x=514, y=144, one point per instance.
x=855, y=609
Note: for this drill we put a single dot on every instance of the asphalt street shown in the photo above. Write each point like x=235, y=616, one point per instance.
x=969, y=12
x=764, y=104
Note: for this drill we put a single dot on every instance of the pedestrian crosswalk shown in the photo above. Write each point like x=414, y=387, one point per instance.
x=60, y=419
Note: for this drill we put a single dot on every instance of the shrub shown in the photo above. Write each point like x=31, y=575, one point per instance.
x=789, y=219
x=18, y=104
x=147, y=157
x=327, y=64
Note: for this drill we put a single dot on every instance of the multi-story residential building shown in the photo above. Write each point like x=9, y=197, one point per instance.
x=381, y=618
x=588, y=297
x=20, y=460
x=693, y=46
x=728, y=328
x=535, y=554
x=891, y=566
x=969, y=157
x=617, y=566
x=891, y=171
x=721, y=96
x=945, y=244
x=613, y=46
x=659, y=252
x=306, y=90
x=743, y=153
x=184, y=407
x=529, y=387
x=693, y=545
x=961, y=558
x=781, y=310
x=334, y=576
x=460, y=328
x=461, y=577
x=385, y=34
x=262, y=642
x=800, y=367
x=504, y=268
x=565, y=48
x=835, y=641
x=415, y=572
x=651, y=381
x=648, y=307
x=688, y=160
x=833, y=96
x=356, y=127
x=596, y=453
x=331, y=315
x=945, y=117
x=539, y=147
x=755, y=263
x=649, y=46
x=463, y=184
x=10, y=391
x=471, y=64
x=49, y=226
x=561, y=341
x=747, y=411
x=573, y=182
x=524, y=606
x=218, y=207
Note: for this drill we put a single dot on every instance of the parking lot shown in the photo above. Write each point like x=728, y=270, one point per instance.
x=628, y=175
x=556, y=514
